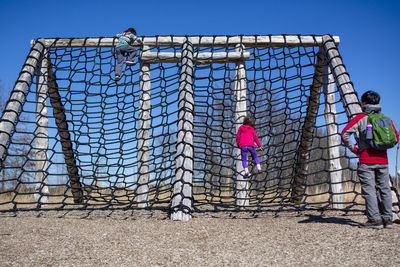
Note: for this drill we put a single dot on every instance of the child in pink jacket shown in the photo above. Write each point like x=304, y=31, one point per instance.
x=245, y=138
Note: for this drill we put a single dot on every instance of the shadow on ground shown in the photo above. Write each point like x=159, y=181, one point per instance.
x=329, y=220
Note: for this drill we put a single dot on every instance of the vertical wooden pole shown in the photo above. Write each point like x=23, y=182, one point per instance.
x=7, y=122
x=395, y=201
x=335, y=168
x=342, y=78
x=303, y=154
x=143, y=135
x=41, y=134
x=183, y=188
x=66, y=144
x=242, y=183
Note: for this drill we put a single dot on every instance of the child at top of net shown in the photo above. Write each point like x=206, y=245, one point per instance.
x=245, y=138
x=124, y=49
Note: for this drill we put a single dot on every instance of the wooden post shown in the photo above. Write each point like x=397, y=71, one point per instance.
x=335, y=168
x=66, y=144
x=143, y=135
x=7, y=122
x=395, y=208
x=303, y=154
x=242, y=183
x=41, y=134
x=342, y=78
x=183, y=187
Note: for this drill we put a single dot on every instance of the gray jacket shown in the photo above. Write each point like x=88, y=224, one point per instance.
x=357, y=127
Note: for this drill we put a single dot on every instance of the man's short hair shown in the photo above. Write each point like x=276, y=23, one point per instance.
x=370, y=97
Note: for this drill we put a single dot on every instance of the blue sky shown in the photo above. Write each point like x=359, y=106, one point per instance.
x=369, y=30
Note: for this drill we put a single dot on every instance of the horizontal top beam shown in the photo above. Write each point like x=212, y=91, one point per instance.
x=206, y=41
x=198, y=58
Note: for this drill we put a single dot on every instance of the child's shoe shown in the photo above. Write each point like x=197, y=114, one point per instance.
x=117, y=77
x=130, y=63
x=247, y=174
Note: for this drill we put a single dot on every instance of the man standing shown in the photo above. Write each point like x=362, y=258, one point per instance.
x=373, y=170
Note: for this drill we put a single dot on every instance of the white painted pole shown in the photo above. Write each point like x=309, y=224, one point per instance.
x=335, y=168
x=242, y=183
x=143, y=136
x=41, y=134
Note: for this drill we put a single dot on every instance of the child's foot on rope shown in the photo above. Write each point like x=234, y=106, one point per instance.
x=117, y=77
x=130, y=63
x=247, y=174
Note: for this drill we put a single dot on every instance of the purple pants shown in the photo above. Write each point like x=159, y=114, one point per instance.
x=253, y=152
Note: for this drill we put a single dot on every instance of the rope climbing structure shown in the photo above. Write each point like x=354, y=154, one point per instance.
x=164, y=135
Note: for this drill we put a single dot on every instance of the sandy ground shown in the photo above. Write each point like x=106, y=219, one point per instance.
x=122, y=238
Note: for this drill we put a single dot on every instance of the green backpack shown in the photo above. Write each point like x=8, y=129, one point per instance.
x=383, y=133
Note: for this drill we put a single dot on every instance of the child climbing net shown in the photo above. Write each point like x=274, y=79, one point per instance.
x=245, y=138
x=125, y=49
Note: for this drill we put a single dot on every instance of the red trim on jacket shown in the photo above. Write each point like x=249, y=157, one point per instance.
x=369, y=155
x=352, y=123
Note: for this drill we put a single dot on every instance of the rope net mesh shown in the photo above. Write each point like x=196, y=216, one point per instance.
x=113, y=144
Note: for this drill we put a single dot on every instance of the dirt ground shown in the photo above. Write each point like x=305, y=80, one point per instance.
x=122, y=238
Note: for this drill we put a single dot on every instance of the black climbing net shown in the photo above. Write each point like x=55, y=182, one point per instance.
x=101, y=154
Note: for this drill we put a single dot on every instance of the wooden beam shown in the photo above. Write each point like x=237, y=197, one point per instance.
x=206, y=41
x=240, y=92
x=342, y=78
x=18, y=94
x=303, y=153
x=181, y=203
x=144, y=136
x=395, y=199
x=335, y=168
x=41, y=134
x=198, y=58
x=66, y=144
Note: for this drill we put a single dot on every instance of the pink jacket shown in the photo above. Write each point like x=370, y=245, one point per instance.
x=246, y=136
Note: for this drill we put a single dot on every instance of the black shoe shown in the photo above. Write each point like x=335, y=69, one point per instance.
x=372, y=224
x=387, y=223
